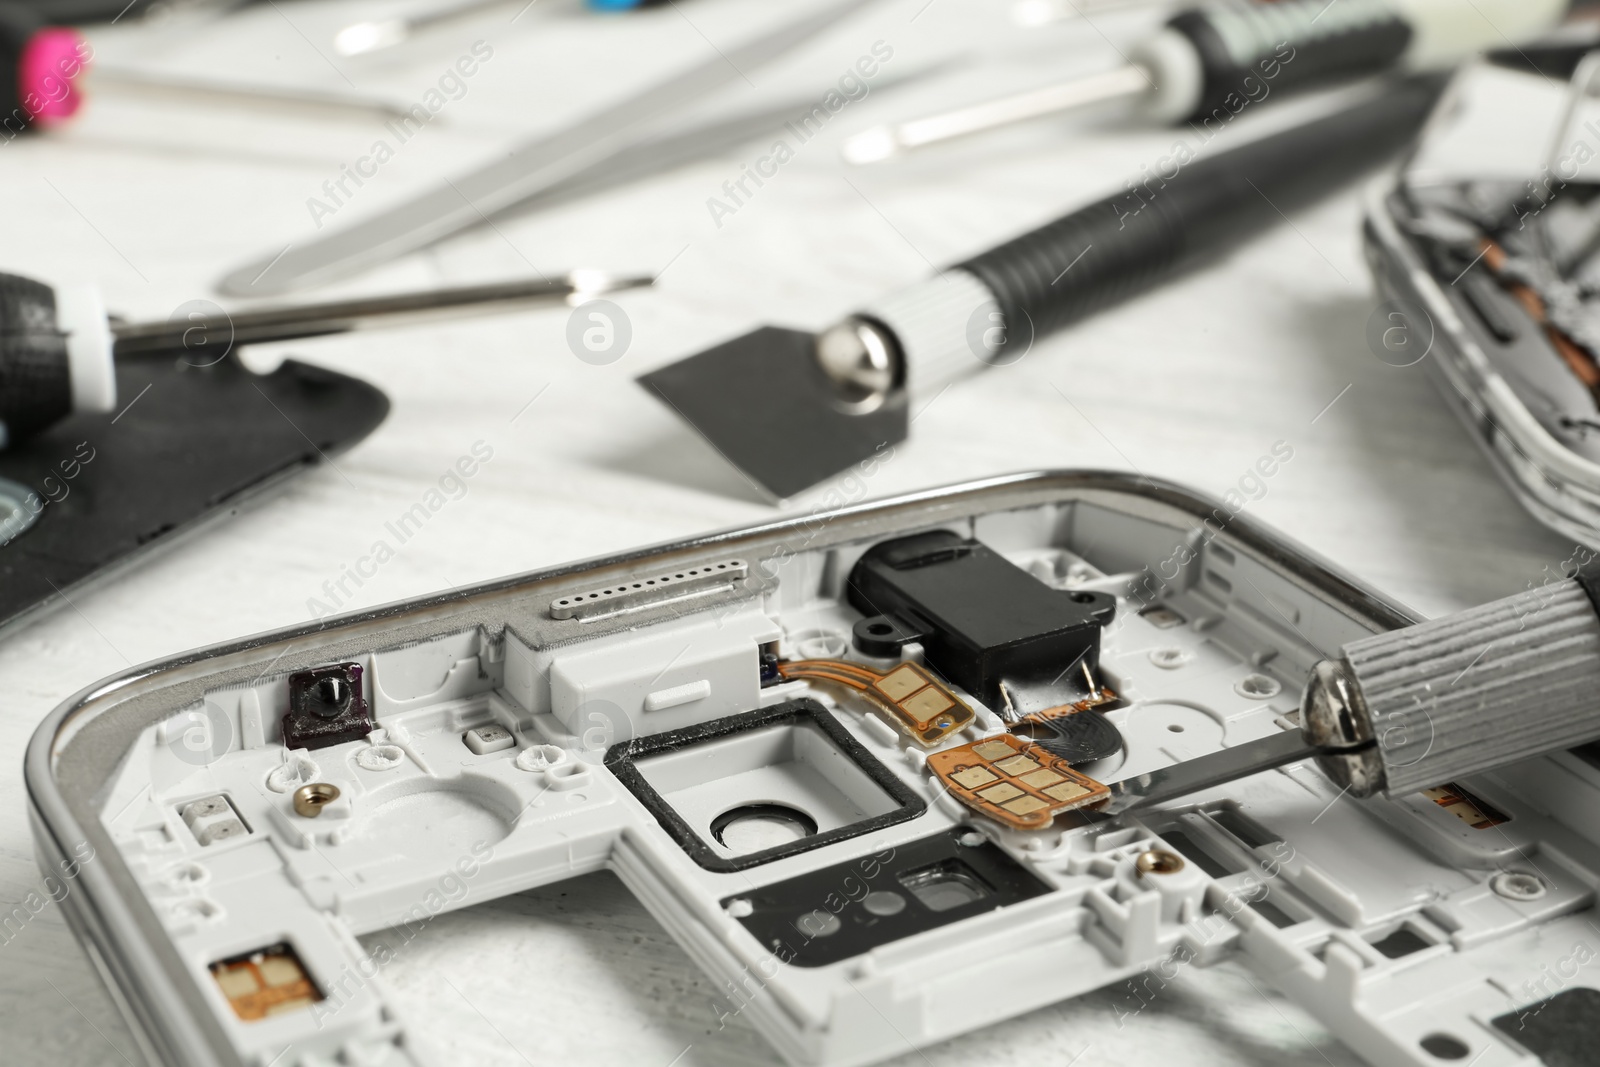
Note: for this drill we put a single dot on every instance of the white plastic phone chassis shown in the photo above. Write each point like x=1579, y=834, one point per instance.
x=426, y=823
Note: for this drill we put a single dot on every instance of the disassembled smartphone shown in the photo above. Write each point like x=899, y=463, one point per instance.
x=850, y=761
x=1488, y=250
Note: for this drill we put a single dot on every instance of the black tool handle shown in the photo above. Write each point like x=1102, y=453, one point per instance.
x=1250, y=51
x=35, y=377
x=1183, y=212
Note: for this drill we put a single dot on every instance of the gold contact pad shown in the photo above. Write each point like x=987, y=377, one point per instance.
x=999, y=794
x=265, y=983
x=974, y=777
x=1025, y=805
x=1014, y=782
x=1017, y=765
x=918, y=704
x=900, y=683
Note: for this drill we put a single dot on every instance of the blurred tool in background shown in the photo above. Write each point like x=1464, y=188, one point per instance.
x=1213, y=60
x=79, y=12
x=591, y=145
x=791, y=408
x=48, y=71
x=1044, y=12
x=57, y=347
x=375, y=35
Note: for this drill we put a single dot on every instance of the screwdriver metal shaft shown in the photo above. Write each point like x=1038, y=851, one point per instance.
x=881, y=142
x=1427, y=704
x=258, y=325
x=63, y=348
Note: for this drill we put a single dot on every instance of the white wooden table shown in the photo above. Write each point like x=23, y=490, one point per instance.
x=154, y=199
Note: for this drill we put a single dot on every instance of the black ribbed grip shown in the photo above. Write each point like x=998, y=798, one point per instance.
x=1093, y=257
x=1251, y=51
x=35, y=384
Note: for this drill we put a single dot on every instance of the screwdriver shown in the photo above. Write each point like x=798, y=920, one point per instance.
x=1425, y=705
x=58, y=348
x=1212, y=61
x=847, y=390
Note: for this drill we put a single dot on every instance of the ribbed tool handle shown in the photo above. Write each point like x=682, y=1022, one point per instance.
x=1484, y=687
x=1125, y=243
x=1249, y=52
x=35, y=376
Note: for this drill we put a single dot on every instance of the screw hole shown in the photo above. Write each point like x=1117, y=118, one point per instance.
x=1258, y=686
x=1445, y=1047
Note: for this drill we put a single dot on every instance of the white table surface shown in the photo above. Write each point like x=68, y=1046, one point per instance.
x=155, y=198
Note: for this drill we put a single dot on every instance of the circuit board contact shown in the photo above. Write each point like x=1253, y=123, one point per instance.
x=1014, y=781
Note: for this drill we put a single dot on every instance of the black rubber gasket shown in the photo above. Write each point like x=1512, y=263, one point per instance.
x=825, y=916
x=1559, y=1030
x=770, y=811
x=621, y=757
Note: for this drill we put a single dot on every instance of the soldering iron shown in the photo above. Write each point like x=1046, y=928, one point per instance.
x=1210, y=61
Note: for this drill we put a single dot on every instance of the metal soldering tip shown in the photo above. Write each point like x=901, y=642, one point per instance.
x=360, y=37
x=871, y=146
x=884, y=142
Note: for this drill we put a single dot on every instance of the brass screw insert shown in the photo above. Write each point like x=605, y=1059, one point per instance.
x=1156, y=861
x=309, y=800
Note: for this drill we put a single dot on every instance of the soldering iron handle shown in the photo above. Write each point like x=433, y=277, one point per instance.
x=1468, y=692
x=1212, y=60
x=1185, y=209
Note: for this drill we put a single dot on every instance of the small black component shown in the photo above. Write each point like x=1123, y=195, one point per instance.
x=769, y=669
x=883, y=635
x=981, y=618
x=1559, y=1030
x=326, y=707
x=853, y=907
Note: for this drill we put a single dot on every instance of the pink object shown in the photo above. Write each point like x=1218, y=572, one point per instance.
x=50, y=63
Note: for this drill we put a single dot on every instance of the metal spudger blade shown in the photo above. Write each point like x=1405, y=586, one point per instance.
x=531, y=167
x=1205, y=772
x=764, y=399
